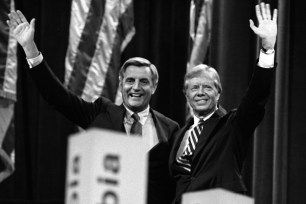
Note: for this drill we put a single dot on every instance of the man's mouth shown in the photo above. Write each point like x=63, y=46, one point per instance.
x=201, y=100
x=135, y=95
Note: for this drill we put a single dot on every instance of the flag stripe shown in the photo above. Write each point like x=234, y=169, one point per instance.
x=10, y=79
x=198, y=10
x=200, y=31
x=79, y=11
x=87, y=46
x=9, y=137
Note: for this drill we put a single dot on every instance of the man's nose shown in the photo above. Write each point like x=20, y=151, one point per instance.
x=136, y=85
x=201, y=90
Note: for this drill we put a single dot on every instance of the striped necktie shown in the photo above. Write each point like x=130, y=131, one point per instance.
x=185, y=159
x=136, y=128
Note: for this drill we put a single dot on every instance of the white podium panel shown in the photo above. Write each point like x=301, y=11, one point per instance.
x=215, y=196
x=106, y=167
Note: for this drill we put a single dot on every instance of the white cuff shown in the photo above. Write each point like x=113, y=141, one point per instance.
x=266, y=60
x=35, y=61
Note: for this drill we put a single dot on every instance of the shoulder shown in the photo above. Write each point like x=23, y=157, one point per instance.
x=105, y=104
x=163, y=119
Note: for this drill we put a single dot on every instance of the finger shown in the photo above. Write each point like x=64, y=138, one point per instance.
x=12, y=21
x=258, y=13
x=21, y=16
x=268, y=11
x=275, y=15
x=9, y=24
x=16, y=17
x=263, y=11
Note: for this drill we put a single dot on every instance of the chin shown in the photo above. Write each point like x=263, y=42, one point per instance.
x=135, y=106
x=135, y=103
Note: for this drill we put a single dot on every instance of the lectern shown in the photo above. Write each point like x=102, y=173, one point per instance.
x=215, y=196
x=106, y=167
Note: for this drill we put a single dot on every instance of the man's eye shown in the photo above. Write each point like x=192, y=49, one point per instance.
x=144, y=81
x=129, y=80
x=208, y=88
x=194, y=88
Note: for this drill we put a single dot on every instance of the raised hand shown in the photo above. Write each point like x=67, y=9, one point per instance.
x=23, y=32
x=267, y=25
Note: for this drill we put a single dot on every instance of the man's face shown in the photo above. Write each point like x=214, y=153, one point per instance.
x=137, y=87
x=202, y=95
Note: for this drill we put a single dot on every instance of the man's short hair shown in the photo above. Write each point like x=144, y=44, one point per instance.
x=197, y=71
x=140, y=62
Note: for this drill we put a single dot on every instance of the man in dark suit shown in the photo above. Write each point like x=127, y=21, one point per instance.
x=209, y=151
x=138, y=81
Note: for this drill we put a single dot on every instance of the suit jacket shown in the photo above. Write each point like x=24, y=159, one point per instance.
x=102, y=113
x=223, y=143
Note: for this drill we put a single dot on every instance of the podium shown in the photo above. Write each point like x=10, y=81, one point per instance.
x=215, y=196
x=106, y=167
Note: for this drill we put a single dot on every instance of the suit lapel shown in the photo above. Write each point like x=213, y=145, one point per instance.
x=206, y=134
x=161, y=132
x=178, y=139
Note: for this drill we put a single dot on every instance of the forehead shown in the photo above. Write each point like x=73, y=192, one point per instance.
x=203, y=78
x=137, y=72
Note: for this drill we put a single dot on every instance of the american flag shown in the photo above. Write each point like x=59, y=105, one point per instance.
x=99, y=32
x=199, y=31
x=8, y=78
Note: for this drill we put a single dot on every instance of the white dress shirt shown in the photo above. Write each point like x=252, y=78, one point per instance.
x=149, y=132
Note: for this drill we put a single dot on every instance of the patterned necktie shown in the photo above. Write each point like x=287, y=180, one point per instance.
x=136, y=128
x=185, y=159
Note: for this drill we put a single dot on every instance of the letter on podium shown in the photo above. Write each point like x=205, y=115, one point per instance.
x=106, y=167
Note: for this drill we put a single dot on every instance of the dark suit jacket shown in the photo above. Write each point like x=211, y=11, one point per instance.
x=223, y=143
x=104, y=114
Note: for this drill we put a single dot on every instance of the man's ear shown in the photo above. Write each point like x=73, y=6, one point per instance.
x=154, y=89
x=218, y=96
x=120, y=85
x=186, y=97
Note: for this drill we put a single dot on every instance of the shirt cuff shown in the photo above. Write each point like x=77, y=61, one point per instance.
x=266, y=60
x=35, y=61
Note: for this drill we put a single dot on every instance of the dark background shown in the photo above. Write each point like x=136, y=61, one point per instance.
x=276, y=166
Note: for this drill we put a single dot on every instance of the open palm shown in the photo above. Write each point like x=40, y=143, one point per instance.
x=20, y=28
x=267, y=25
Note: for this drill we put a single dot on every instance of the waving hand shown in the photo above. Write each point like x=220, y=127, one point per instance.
x=267, y=25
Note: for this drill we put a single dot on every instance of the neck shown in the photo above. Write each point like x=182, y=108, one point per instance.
x=135, y=110
x=206, y=114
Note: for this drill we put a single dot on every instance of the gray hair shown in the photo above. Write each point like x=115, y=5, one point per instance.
x=140, y=62
x=198, y=70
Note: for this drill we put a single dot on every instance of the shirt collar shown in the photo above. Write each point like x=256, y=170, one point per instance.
x=143, y=115
x=197, y=119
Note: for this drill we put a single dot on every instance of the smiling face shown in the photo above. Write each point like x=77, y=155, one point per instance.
x=202, y=90
x=137, y=87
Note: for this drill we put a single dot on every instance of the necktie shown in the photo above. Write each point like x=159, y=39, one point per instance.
x=136, y=128
x=185, y=159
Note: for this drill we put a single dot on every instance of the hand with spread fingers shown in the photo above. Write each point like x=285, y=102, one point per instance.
x=267, y=25
x=23, y=32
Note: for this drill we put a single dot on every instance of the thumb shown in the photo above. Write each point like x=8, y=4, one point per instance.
x=32, y=23
x=252, y=26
